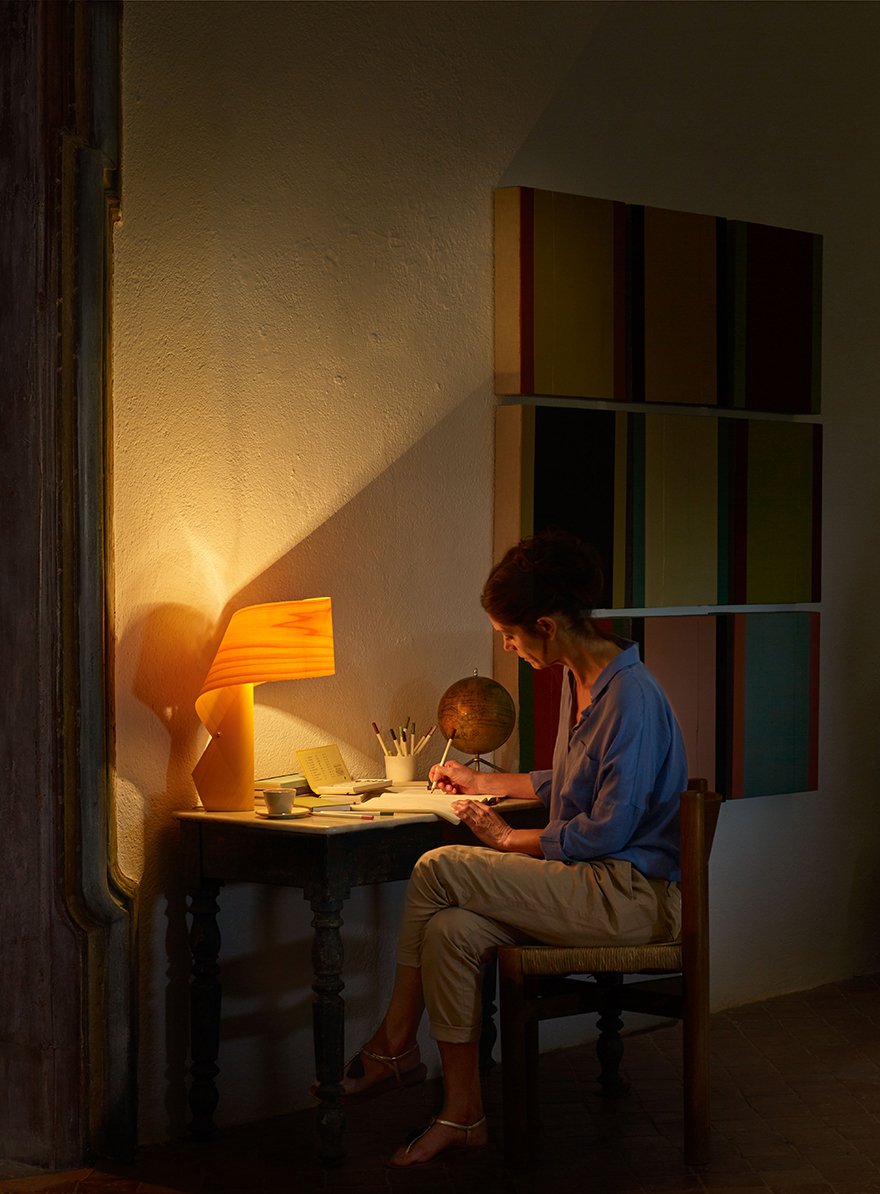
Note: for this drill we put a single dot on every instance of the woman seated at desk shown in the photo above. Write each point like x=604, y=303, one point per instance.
x=605, y=868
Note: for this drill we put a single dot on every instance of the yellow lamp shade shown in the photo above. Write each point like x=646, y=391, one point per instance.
x=283, y=640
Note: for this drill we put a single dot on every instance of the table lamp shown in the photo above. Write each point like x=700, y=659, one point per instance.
x=284, y=640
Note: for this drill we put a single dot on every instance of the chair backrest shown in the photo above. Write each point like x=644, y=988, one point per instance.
x=699, y=837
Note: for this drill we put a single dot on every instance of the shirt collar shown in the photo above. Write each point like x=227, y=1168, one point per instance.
x=629, y=655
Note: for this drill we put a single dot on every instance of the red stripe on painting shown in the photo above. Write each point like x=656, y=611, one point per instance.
x=738, y=707
x=547, y=694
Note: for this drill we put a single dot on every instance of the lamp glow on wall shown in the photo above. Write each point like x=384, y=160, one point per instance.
x=284, y=640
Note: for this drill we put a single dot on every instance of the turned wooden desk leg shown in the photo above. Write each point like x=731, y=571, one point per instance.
x=204, y=995
x=328, y=1021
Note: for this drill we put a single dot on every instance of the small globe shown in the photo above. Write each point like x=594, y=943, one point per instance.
x=481, y=713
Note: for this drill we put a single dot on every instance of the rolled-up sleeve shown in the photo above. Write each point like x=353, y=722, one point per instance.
x=541, y=784
x=585, y=838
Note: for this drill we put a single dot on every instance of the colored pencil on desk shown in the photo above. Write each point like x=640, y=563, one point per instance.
x=385, y=750
x=432, y=786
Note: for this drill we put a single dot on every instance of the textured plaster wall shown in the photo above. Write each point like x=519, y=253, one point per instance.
x=303, y=405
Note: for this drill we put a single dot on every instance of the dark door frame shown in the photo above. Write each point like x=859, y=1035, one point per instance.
x=67, y=919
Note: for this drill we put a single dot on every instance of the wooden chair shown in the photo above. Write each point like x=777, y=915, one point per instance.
x=536, y=984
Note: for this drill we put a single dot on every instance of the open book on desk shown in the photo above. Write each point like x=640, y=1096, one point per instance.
x=415, y=798
x=328, y=775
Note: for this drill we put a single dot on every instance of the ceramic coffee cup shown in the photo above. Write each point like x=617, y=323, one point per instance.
x=278, y=801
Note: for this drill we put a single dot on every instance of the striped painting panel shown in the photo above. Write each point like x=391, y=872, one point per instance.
x=599, y=299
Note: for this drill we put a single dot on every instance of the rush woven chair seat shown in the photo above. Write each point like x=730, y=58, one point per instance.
x=537, y=983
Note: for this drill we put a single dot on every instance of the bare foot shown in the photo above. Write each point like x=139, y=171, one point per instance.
x=439, y=1136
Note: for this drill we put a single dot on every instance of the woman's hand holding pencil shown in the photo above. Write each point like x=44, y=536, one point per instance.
x=456, y=779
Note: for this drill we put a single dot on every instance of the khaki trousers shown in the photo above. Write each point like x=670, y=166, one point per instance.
x=462, y=902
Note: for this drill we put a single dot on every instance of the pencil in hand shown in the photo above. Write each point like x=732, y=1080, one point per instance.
x=432, y=786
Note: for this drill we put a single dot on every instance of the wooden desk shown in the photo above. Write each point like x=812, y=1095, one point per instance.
x=326, y=857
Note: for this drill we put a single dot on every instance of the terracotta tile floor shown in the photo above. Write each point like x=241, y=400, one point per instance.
x=796, y=1110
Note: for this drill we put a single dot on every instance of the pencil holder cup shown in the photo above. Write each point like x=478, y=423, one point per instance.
x=400, y=769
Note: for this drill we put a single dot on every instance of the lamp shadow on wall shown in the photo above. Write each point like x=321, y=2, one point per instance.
x=391, y=609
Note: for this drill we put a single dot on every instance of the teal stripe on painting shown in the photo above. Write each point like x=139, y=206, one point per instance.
x=637, y=506
x=622, y=627
x=778, y=703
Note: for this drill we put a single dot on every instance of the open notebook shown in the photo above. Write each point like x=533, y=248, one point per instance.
x=415, y=798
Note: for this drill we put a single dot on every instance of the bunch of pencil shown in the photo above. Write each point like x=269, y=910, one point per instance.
x=404, y=741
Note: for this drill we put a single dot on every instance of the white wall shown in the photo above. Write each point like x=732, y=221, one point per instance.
x=303, y=405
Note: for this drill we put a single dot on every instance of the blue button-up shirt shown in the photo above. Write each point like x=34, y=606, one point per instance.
x=618, y=770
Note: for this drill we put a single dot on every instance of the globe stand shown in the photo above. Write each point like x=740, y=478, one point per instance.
x=478, y=763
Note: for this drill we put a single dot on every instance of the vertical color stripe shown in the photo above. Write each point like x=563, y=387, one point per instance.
x=636, y=511
x=738, y=650
x=779, y=696
x=780, y=513
x=574, y=301
x=680, y=318
x=681, y=653
x=621, y=488
x=574, y=478
x=681, y=495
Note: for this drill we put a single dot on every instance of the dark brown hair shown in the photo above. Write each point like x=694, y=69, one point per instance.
x=552, y=573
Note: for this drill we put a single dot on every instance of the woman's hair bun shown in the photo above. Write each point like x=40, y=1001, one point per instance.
x=553, y=572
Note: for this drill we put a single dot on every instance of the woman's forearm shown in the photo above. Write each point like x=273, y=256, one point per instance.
x=505, y=783
x=523, y=841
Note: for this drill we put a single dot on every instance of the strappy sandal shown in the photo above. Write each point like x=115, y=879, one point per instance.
x=447, y=1123
x=397, y=1080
